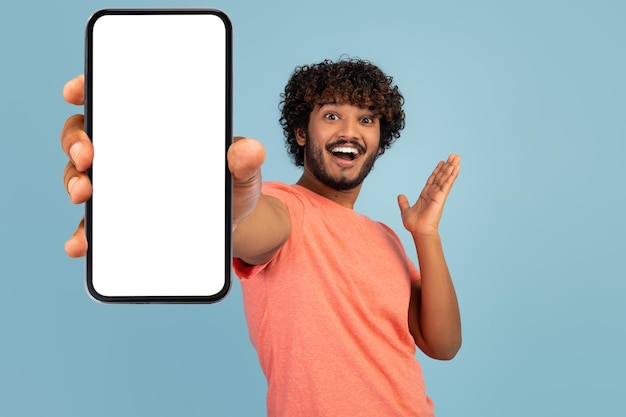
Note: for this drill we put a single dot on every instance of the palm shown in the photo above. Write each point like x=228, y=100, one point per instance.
x=423, y=217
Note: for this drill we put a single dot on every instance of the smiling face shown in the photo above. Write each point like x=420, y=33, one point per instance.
x=340, y=145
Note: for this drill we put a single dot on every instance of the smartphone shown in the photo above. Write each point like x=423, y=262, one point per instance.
x=158, y=109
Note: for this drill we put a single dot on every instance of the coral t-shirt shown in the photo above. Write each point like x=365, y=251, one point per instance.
x=328, y=315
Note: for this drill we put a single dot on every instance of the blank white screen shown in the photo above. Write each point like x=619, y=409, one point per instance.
x=158, y=129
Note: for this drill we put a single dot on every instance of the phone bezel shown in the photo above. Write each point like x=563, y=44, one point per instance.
x=173, y=299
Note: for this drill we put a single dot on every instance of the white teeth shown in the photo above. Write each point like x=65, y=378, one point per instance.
x=345, y=149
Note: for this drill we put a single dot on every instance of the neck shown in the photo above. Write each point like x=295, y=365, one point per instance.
x=345, y=198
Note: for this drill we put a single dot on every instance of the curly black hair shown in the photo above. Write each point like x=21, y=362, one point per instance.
x=349, y=81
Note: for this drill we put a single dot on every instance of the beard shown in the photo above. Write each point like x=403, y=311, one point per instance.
x=314, y=162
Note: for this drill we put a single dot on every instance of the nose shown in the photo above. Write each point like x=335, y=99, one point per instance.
x=349, y=128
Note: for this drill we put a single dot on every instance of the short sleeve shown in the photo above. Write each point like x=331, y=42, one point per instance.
x=291, y=199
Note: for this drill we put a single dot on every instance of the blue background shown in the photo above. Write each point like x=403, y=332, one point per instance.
x=531, y=94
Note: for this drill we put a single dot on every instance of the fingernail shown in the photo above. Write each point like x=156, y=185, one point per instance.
x=70, y=183
x=75, y=150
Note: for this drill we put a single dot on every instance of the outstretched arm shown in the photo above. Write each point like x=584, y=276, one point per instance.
x=434, y=318
x=261, y=224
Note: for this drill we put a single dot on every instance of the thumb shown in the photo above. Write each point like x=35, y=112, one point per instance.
x=245, y=157
x=403, y=202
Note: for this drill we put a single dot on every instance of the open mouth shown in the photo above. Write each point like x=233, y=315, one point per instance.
x=346, y=153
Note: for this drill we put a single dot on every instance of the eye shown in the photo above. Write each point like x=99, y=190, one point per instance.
x=330, y=116
x=367, y=120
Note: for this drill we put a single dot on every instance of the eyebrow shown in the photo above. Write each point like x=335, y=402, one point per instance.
x=337, y=104
x=322, y=104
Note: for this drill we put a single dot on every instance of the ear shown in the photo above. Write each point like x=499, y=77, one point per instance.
x=300, y=136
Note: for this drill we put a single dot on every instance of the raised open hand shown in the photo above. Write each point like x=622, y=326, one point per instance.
x=423, y=217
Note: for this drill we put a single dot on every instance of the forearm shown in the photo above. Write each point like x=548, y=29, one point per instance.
x=438, y=315
x=261, y=223
x=259, y=235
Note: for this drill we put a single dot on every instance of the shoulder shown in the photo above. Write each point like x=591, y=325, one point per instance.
x=382, y=226
x=273, y=187
x=294, y=196
x=286, y=193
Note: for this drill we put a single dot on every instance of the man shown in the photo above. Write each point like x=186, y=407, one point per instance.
x=334, y=306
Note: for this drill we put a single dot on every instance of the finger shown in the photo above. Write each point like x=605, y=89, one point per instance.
x=76, y=246
x=403, y=203
x=454, y=159
x=444, y=174
x=446, y=170
x=74, y=90
x=77, y=184
x=432, y=179
x=245, y=157
x=76, y=143
x=448, y=175
x=452, y=166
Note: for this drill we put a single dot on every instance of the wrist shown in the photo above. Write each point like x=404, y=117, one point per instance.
x=426, y=239
x=427, y=235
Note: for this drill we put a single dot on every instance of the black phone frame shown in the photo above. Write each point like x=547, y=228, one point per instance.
x=191, y=299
